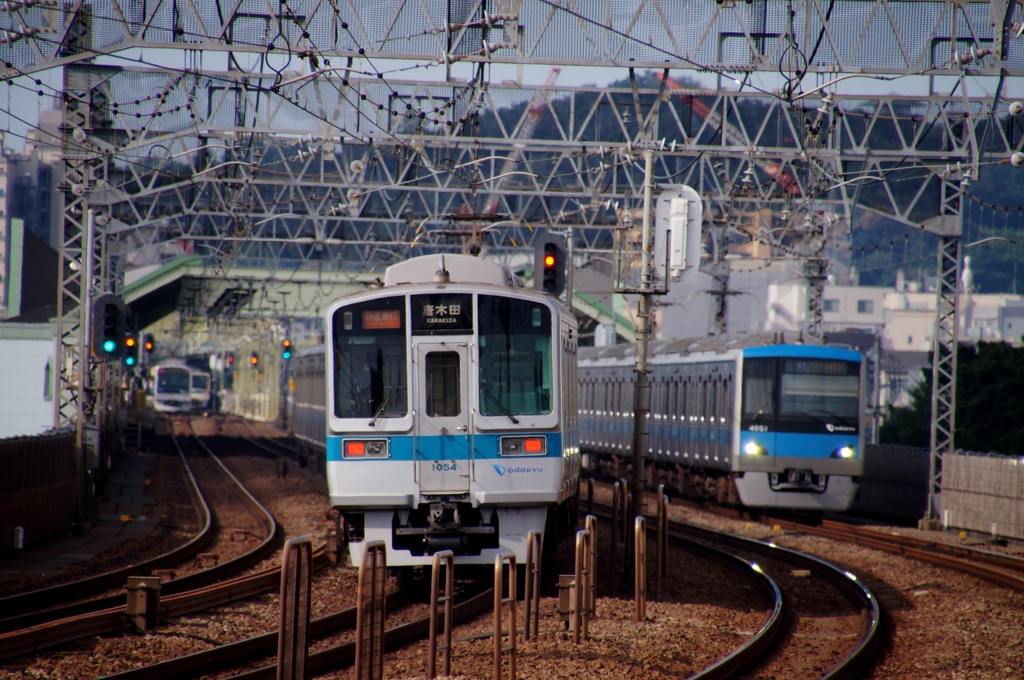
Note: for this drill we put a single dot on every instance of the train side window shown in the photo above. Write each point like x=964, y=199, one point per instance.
x=759, y=388
x=443, y=384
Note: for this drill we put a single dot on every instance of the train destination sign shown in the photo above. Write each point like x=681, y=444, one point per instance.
x=442, y=313
x=380, y=319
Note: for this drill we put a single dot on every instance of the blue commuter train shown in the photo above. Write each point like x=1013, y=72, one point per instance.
x=445, y=402
x=736, y=420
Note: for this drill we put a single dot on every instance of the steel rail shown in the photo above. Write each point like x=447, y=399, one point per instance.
x=344, y=655
x=14, y=607
x=974, y=564
x=201, y=663
x=760, y=644
x=36, y=637
x=859, y=660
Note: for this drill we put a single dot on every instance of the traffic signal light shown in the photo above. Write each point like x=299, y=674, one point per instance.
x=286, y=349
x=254, y=359
x=147, y=342
x=108, y=326
x=549, y=264
x=131, y=351
x=231, y=359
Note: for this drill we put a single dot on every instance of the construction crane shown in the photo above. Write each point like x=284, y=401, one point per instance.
x=734, y=137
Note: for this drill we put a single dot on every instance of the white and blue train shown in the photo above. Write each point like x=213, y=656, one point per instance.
x=733, y=420
x=450, y=417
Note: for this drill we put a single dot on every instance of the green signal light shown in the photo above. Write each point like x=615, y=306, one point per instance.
x=287, y=355
x=130, y=361
x=109, y=346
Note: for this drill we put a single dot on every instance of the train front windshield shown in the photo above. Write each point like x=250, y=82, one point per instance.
x=370, y=360
x=515, y=357
x=802, y=393
x=173, y=381
x=200, y=382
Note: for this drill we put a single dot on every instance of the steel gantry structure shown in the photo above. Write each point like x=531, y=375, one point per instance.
x=324, y=155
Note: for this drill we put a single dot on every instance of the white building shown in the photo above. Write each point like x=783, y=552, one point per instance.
x=27, y=378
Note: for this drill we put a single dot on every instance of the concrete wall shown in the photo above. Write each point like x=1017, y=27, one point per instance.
x=979, y=491
x=26, y=384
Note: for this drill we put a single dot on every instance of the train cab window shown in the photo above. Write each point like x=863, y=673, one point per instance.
x=759, y=389
x=515, y=357
x=443, y=384
x=820, y=390
x=370, y=360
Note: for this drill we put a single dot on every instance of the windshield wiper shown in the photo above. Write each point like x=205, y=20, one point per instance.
x=380, y=409
x=763, y=407
x=501, y=407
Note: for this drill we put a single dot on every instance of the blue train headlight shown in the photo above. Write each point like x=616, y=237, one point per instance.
x=754, y=449
x=844, y=452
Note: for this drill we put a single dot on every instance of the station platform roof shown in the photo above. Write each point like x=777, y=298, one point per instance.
x=200, y=289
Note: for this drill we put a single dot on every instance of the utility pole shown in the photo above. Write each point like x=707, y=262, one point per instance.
x=642, y=392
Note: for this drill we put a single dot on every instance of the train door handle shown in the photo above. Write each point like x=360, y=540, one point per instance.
x=461, y=428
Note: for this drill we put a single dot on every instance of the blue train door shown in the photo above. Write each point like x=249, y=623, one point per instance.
x=442, y=425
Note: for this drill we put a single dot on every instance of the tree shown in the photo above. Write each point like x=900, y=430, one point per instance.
x=989, y=403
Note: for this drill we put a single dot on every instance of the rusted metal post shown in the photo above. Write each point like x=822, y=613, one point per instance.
x=370, y=624
x=616, y=523
x=581, y=588
x=143, y=603
x=449, y=584
x=592, y=577
x=292, y=636
x=627, y=545
x=531, y=613
x=500, y=603
x=640, y=569
x=661, y=545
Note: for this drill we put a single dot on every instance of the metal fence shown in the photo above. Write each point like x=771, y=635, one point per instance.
x=37, y=488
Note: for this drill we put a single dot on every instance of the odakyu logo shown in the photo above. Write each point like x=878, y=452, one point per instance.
x=502, y=470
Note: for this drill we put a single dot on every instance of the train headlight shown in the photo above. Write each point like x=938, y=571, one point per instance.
x=754, y=449
x=364, y=448
x=844, y=452
x=524, y=446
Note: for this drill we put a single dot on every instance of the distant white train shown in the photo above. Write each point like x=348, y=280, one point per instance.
x=445, y=404
x=170, y=384
x=200, y=391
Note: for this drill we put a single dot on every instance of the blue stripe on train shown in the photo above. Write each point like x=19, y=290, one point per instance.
x=802, y=351
x=436, y=448
x=808, y=445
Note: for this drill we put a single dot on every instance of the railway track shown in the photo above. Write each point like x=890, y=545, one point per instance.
x=38, y=606
x=999, y=568
x=216, y=585
x=790, y=614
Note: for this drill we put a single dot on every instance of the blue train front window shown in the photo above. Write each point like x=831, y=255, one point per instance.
x=824, y=391
x=370, y=360
x=515, y=357
x=759, y=389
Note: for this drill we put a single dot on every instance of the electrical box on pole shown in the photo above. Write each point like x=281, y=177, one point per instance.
x=109, y=327
x=550, y=259
x=677, y=225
